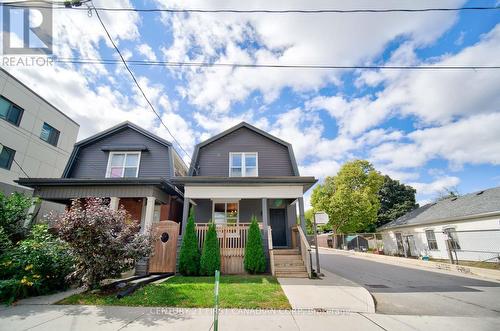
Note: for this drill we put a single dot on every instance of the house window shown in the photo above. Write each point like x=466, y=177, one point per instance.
x=431, y=239
x=123, y=164
x=453, y=237
x=10, y=112
x=399, y=243
x=225, y=213
x=243, y=165
x=49, y=134
x=6, y=157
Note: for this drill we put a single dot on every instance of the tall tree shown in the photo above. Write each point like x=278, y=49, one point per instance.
x=396, y=199
x=351, y=197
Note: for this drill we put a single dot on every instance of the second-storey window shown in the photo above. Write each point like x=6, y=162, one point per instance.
x=10, y=112
x=243, y=165
x=49, y=134
x=123, y=164
x=6, y=157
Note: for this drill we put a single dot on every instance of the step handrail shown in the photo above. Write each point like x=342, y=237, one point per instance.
x=270, y=248
x=305, y=251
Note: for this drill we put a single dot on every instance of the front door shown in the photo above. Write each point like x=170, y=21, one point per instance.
x=278, y=226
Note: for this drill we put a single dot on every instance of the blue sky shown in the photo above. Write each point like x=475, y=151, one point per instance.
x=433, y=130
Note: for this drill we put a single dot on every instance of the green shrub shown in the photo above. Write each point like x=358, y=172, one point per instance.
x=35, y=266
x=5, y=242
x=14, y=211
x=255, y=260
x=210, y=257
x=189, y=256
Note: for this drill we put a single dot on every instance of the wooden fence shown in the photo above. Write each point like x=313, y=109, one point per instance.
x=232, y=243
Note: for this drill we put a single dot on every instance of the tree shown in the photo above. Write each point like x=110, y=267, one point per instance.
x=447, y=193
x=189, y=256
x=351, y=197
x=210, y=256
x=14, y=211
x=255, y=260
x=105, y=242
x=396, y=199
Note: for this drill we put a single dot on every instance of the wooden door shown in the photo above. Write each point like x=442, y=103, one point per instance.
x=164, y=256
x=277, y=218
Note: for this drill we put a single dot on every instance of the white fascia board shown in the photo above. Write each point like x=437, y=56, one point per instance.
x=243, y=192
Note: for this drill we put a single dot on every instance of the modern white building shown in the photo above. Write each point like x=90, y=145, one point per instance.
x=468, y=226
x=36, y=138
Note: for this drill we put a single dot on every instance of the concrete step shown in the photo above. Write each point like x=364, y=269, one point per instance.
x=289, y=264
x=286, y=252
x=292, y=274
x=293, y=269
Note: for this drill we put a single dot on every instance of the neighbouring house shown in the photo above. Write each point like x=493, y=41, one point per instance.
x=245, y=172
x=36, y=138
x=127, y=164
x=465, y=228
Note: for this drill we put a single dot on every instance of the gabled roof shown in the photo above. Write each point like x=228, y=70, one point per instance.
x=109, y=132
x=194, y=159
x=473, y=205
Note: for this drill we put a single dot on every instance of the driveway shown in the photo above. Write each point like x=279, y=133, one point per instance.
x=409, y=291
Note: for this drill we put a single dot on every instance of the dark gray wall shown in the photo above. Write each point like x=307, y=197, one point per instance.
x=274, y=159
x=91, y=161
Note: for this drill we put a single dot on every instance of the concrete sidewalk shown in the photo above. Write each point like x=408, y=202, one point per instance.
x=75, y=318
x=329, y=292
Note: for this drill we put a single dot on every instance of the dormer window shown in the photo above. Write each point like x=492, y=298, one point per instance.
x=243, y=165
x=123, y=164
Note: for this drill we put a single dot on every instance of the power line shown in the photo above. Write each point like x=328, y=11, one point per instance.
x=137, y=83
x=263, y=65
x=32, y=4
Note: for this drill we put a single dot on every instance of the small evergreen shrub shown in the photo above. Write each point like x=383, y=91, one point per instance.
x=14, y=211
x=255, y=259
x=189, y=256
x=210, y=257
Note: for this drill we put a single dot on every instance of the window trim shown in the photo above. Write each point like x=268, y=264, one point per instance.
x=12, y=105
x=225, y=202
x=457, y=242
x=11, y=160
x=108, y=167
x=48, y=141
x=243, y=165
x=435, y=240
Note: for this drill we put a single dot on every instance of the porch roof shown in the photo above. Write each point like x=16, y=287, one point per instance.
x=305, y=181
x=69, y=188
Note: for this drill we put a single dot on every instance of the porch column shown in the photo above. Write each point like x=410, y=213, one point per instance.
x=265, y=217
x=114, y=203
x=185, y=214
x=301, y=214
x=150, y=212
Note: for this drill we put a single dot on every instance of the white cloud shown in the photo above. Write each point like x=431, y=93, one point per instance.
x=147, y=51
x=437, y=186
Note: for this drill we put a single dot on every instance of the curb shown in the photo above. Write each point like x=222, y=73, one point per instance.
x=465, y=271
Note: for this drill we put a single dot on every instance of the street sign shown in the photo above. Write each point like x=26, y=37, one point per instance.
x=321, y=217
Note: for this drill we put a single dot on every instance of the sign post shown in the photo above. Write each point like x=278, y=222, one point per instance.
x=216, y=304
x=319, y=218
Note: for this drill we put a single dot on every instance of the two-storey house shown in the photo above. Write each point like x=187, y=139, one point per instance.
x=241, y=173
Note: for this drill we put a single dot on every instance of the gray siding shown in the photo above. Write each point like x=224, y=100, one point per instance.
x=91, y=161
x=273, y=159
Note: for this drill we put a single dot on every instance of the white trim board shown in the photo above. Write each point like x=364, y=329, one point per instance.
x=243, y=192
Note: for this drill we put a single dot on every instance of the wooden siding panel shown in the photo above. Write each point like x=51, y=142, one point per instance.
x=91, y=161
x=274, y=159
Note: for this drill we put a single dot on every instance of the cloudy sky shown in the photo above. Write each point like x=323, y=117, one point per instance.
x=431, y=129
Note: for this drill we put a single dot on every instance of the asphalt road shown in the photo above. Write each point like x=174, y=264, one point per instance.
x=409, y=291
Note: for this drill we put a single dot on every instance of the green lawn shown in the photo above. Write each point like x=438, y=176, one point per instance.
x=197, y=292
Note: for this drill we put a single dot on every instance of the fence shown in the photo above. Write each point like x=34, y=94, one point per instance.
x=232, y=243
x=464, y=246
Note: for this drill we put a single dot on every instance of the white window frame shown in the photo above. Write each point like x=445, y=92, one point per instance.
x=110, y=156
x=243, y=166
x=435, y=240
x=225, y=202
